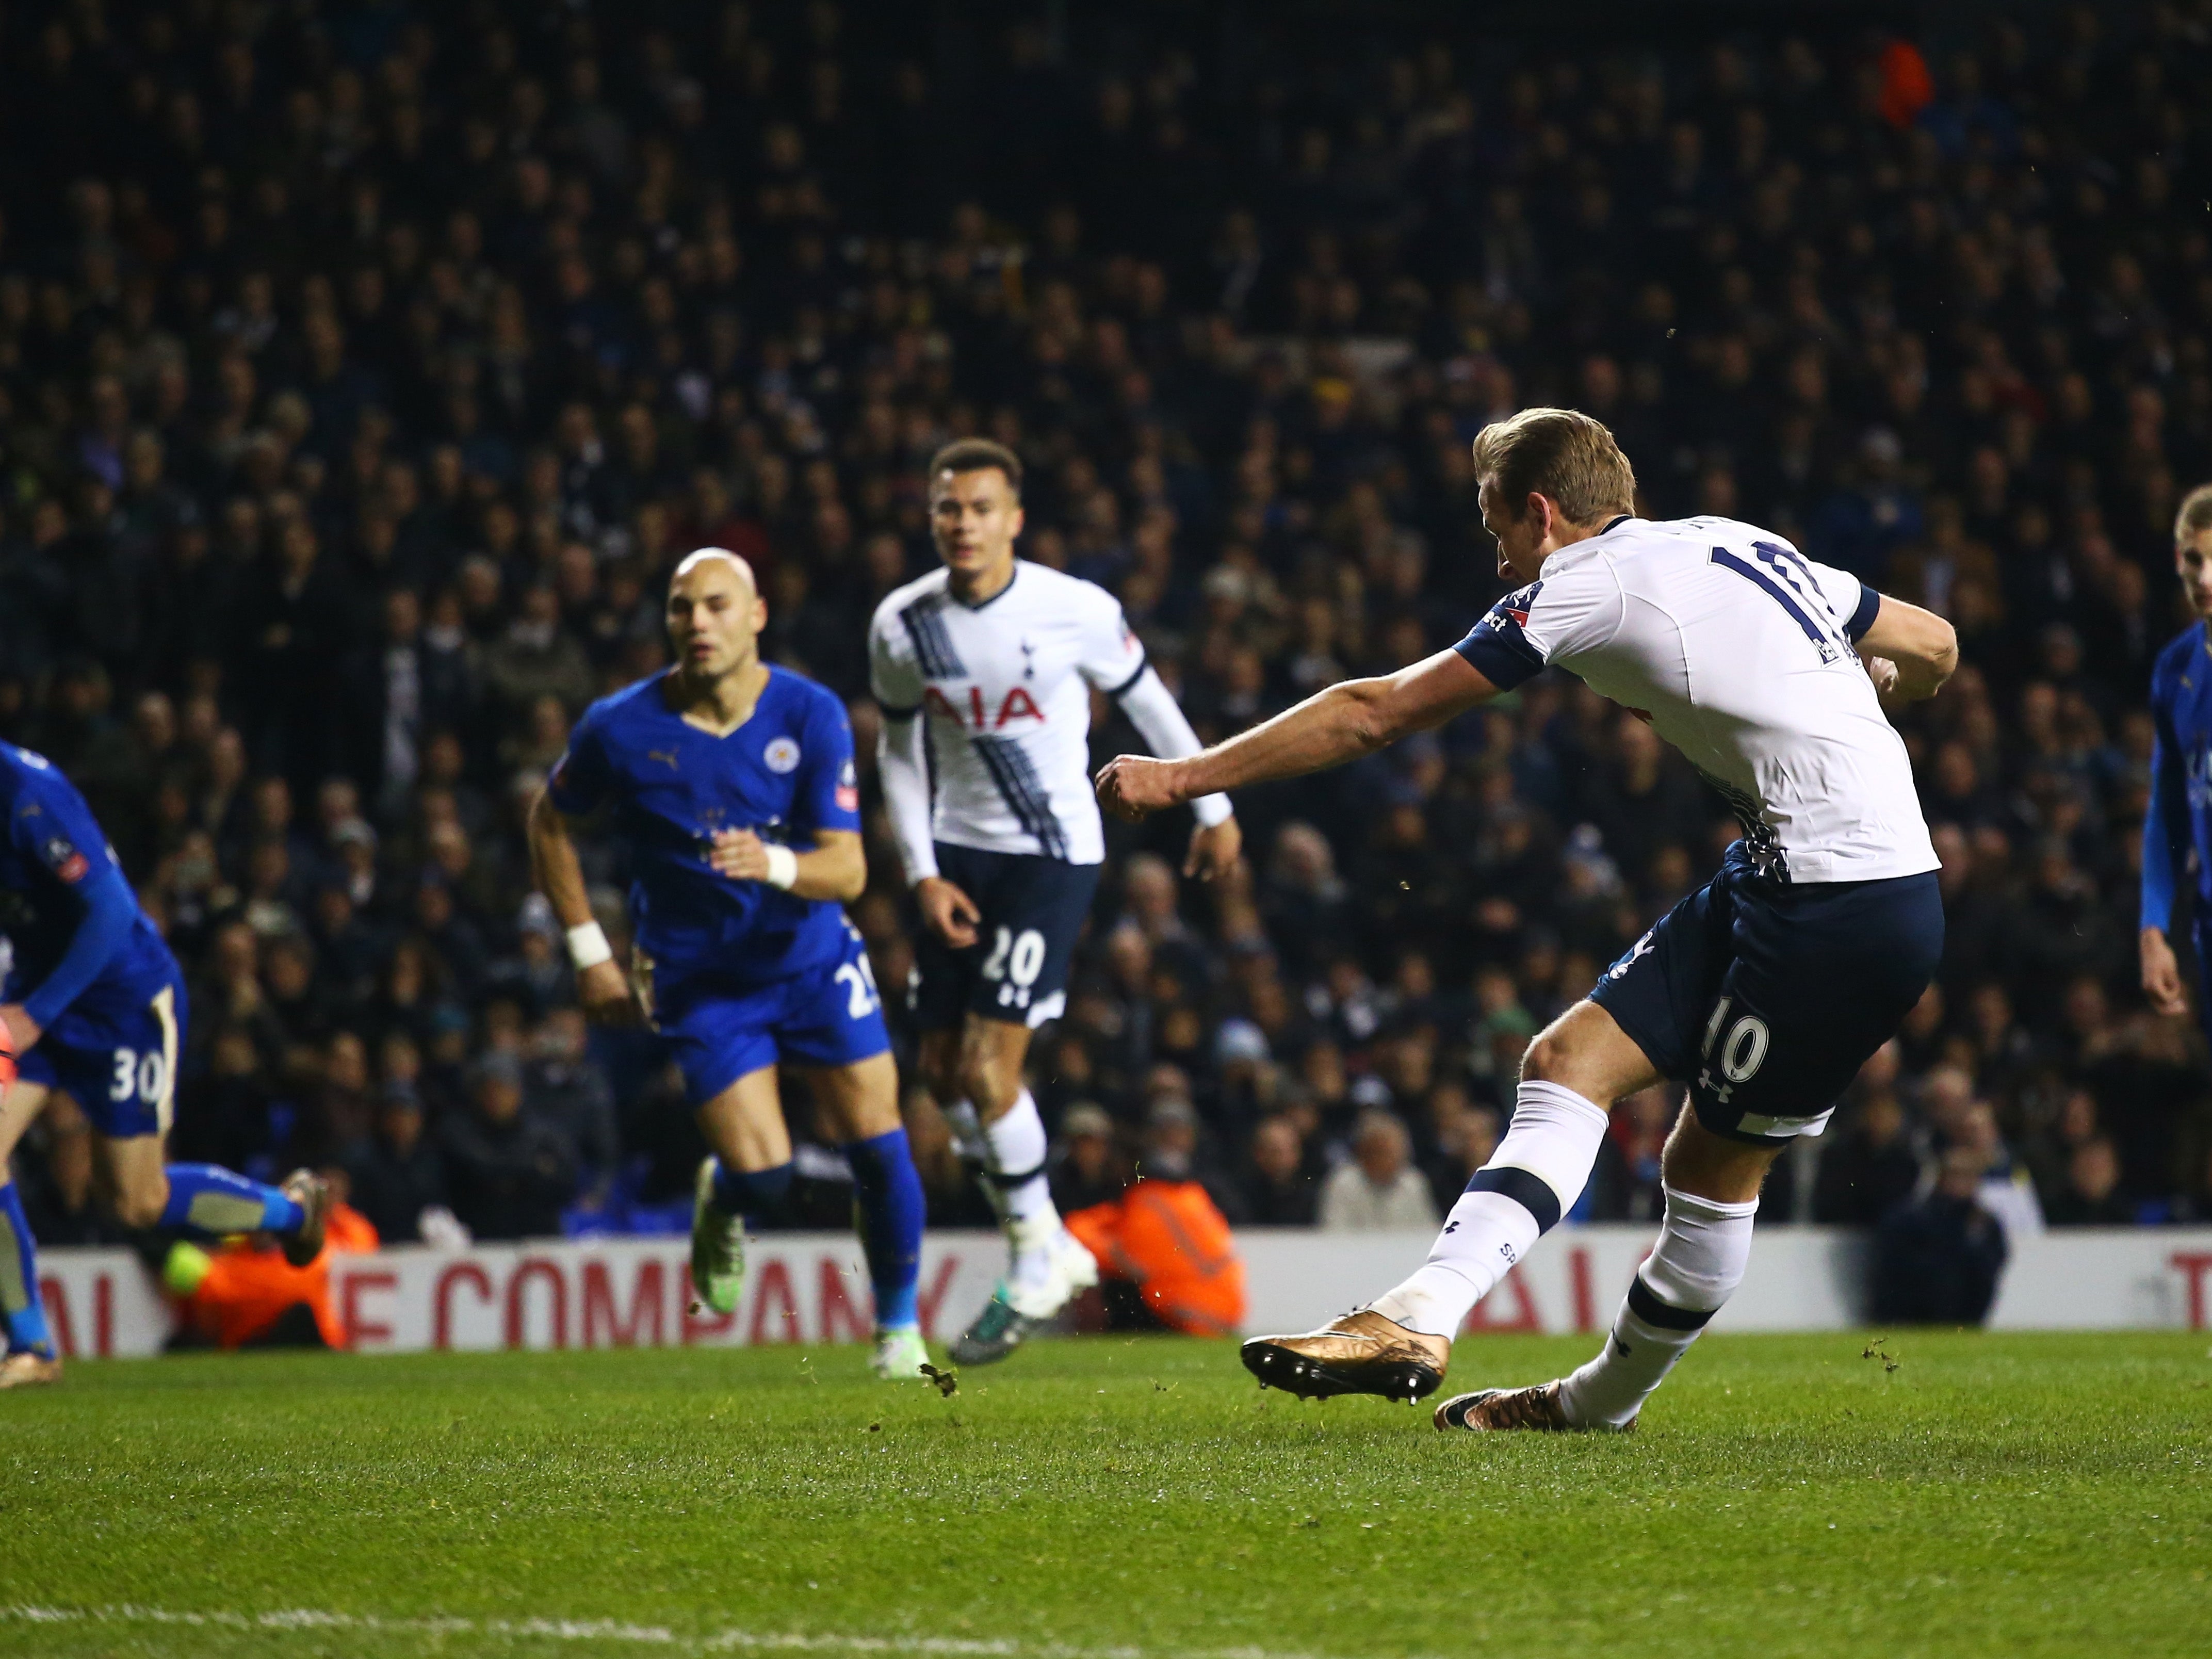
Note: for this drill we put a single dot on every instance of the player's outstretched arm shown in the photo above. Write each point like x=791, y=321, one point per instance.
x=1349, y=719
x=1921, y=648
x=835, y=868
x=601, y=985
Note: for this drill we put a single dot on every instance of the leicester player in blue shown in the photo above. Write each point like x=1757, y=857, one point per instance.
x=94, y=1006
x=2179, y=821
x=732, y=784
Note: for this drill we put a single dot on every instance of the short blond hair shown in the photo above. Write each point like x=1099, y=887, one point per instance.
x=2196, y=515
x=1560, y=453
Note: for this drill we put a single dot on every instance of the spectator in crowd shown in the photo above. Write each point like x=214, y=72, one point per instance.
x=1937, y=1259
x=1086, y=1169
x=1871, y=1169
x=1466, y=1135
x=1624, y=1183
x=2092, y=1195
x=509, y=1173
x=568, y=1090
x=1377, y=1188
x=400, y=1174
x=1175, y=1149
x=1278, y=1190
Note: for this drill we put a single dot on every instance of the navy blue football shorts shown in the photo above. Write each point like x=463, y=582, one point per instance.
x=826, y=1016
x=1034, y=909
x=1767, y=998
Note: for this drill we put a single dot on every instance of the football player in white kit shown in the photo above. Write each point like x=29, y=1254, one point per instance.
x=987, y=667
x=1765, y=991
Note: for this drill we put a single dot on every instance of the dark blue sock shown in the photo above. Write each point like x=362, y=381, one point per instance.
x=210, y=1202
x=749, y=1193
x=20, y=1303
x=889, y=1192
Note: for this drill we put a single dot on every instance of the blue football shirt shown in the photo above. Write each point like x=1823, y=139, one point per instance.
x=785, y=773
x=2180, y=816
x=53, y=860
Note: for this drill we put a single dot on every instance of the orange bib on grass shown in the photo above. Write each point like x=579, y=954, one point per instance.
x=1170, y=1238
x=245, y=1290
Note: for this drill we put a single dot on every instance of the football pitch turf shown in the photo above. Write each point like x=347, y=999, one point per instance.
x=1785, y=1495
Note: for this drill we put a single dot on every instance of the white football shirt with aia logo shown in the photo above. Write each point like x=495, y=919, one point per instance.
x=1006, y=687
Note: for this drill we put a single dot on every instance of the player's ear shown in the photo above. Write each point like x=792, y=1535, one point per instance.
x=1017, y=519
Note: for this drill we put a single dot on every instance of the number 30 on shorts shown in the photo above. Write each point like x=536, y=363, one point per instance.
x=146, y=1076
x=1014, y=963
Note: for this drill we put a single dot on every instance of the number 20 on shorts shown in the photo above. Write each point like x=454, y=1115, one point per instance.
x=1014, y=963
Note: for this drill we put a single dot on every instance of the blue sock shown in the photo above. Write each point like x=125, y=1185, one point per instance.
x=210, y=1202
x=750, y=1192
x=20, y=1305
x=889, y=1194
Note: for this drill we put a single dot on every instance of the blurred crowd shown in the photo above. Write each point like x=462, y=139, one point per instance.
x=365, y=367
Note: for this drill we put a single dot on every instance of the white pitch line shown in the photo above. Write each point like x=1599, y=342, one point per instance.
x=309, y=1619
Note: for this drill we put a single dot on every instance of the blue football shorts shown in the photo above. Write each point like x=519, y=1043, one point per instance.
x=1767, y=997
x=116, y=1059
x=830, y=1015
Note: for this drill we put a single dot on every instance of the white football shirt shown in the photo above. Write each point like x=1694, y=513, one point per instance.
x=1740, y=652
x=1006, y=687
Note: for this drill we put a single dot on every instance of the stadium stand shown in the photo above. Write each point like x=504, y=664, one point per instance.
x=364, y=369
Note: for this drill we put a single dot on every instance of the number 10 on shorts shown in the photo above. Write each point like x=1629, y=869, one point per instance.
x=1742, y=1052
x=1014, y=963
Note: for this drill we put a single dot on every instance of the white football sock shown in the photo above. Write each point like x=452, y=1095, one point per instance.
x=1695, y=1266
x=1013, y=1165
x=1534, y=1177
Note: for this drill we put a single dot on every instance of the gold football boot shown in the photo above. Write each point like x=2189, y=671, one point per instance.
x=1362, y=1352
x=1536, y=1407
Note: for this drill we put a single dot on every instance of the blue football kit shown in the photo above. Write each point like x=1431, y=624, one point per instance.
x=2179, y=821
x=737, y=974
x=88, y=967
x=92, y=971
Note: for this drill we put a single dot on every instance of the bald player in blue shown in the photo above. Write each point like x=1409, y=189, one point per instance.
x=732, y=784
x=94, y=1007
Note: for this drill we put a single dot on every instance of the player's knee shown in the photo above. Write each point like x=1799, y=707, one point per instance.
x=139, y=1203
x=1549, y=1058
x=989, y=1088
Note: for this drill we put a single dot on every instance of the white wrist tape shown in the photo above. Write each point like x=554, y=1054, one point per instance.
x=782, y=866
x=588, y=946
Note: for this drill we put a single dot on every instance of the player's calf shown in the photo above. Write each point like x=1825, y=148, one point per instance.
x=1697, y=1262
x=1691, y=1272
x=208, y=1201
x=890, y=1210
x=722, y=1198
x=1533, y=1178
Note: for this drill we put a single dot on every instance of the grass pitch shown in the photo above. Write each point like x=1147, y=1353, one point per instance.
x=1990, y=1495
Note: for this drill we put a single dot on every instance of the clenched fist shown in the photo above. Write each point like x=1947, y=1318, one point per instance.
x=1130, y=785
